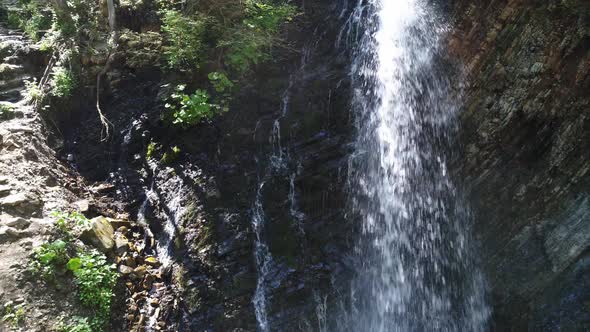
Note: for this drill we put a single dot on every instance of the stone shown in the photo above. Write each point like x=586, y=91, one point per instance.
x=118, y=223
x=129, y=261
x=148, y=282
x=82, y=205
x=5, y=190
x=14, y=200
x=14, y=222
x=151, y=260
x=101, y=234
x=121, y=244
x=21, y=202
x=244, y=280
x=103, y=188
x=125, y=270
x=139, y=271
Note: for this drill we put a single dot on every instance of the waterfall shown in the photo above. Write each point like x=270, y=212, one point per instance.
x=415, y=268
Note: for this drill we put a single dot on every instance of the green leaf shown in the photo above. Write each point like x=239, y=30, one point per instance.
x=74, y=264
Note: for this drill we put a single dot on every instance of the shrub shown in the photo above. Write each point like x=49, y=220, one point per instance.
x=95, y=279
x=170, y=156
x=250, y=43
x=6, y=112
x=77, y=324
x=62, y=83
x=49, y=258
x=189, y=110
x=70, y=221
x=151, y=150
x=185, y=49
x=33, y=17
x=13, y=314
x=32, y=91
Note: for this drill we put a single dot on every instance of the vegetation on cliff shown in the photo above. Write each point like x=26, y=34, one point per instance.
x=208, y=47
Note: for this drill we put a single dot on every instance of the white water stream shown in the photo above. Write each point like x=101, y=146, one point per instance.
x=415, y=269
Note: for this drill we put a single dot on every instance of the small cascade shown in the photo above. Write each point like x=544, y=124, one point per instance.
x=263, y=261
x=163, y=250
x=277, y=164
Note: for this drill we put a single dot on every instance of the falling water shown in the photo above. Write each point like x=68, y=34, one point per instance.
x=276, y=165
x=415, y=270
x=164, y=241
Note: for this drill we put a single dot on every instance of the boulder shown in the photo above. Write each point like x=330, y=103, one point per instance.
x=125, y=270
x=82, y=205
x=100, y=234
x=5, y=189
x=151, y=260
x=118, y=223
x=121, y=244
x=21, y=202
x=15, y=222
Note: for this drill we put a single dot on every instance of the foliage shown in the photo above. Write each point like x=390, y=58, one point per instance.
x=68, y=221
x=32, y=17
x=151, y=149
x=6, y=112
x=170, y=156
x=185, y=49
x=76, y=324
x=141, y=49
x=32, y=90
x=48, y=258
x=188, y=110
x=81, y=22
x=62, y=82
x=249, y=43
x=13, y=314
x=95, y=279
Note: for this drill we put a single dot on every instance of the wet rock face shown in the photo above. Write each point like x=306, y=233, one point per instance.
x=209, y=191
x=526, y=130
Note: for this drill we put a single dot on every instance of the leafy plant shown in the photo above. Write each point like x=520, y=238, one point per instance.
x=185, y=49
x=6, y=112
x=170, y=156
x=249, y=44
x=188, y=110
x=95, y=279
x=13, y=314
x=264, y=15
x=48, y=258
x=151, y=149
x=32, y=91
x=62, y=83
x=77, y=324
x=69, y=221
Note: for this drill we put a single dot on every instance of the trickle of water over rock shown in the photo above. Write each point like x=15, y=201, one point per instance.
x=278, y=164
x=415, y=269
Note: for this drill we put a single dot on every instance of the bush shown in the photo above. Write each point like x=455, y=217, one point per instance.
x=77, y=324
x=70, y=221
x=62, y=82
x=95, y=279
x=13, y=314
x=6, y=112
x=33, y=17
x=49, y=258
x=189, y=110
x=250, y=42
x=185, y=49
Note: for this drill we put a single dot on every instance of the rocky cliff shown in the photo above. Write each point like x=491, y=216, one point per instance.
x=285, y=146
x=526, y=133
